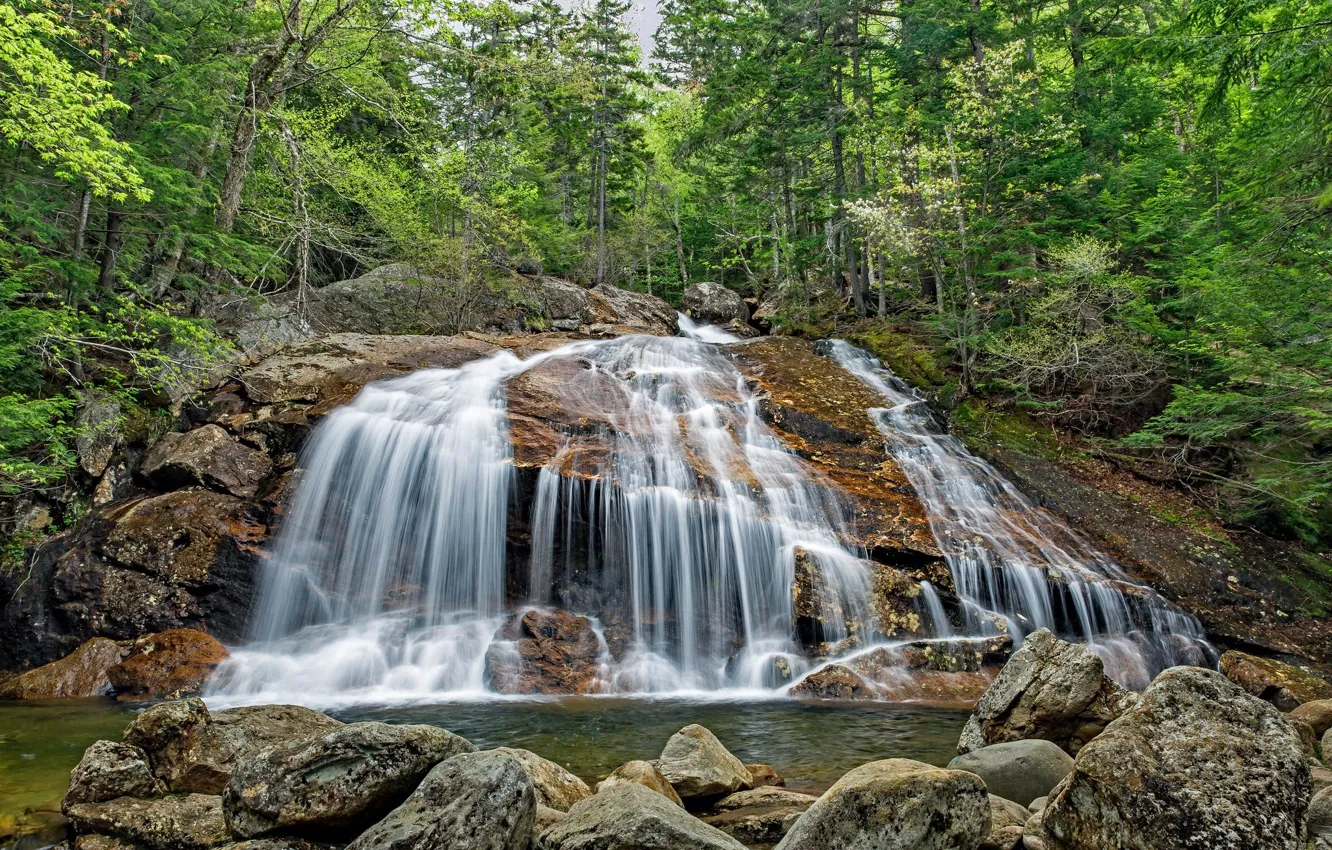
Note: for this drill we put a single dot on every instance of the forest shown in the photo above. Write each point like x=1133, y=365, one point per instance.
x=1111, y=216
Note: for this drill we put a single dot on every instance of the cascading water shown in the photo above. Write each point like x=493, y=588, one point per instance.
x=683, y=512
x=1008, y=555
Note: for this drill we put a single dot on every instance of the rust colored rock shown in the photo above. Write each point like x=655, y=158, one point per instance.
x=1285, y=686
x=833, y=682
x=80, y=674
x=167, y=665
x=174, y=537
x=543, y=652
x=764, y=776
x=208, y=456
x=643, y=773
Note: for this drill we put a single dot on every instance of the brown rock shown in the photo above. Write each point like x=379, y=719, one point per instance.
x=167, y=665
x=643, y=773
x=555, y=787
x=764, y=776
x=208, y=456
x=175, y=537
x=1285, y=686
x=80, y=674
x=543, y=652
x=833, y=682
x=1317, y=713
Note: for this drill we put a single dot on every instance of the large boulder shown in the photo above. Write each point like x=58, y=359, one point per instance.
x=555, y=787
x=80, y=674
x=632, y=817
x=543, y=652
x=1317, y=713
x=188, y=822
x=1050, y=689
x=345, y=779
x=167, y=665
x=206, y=456
x=1285, y=686
x=760, y=815
x=481, y=801
x=617, y=311
x=109, y=770
x=1198, y=763
x=715, y=304
x=699, y=767
x=643, y=773
x=1017, y=770
x=192, y=749
x=1006, y=821
x=896, y=804
x=99, y=434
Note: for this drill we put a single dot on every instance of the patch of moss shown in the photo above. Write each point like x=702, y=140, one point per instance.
x=981, y=421
x=907, y=355
x=1312, y=578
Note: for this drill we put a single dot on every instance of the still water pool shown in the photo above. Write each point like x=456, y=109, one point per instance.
x=811, y=744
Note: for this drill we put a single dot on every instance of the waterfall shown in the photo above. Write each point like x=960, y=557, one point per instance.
x=1008, y=555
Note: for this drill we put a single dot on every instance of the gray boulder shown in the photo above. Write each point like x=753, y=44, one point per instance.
x=1006, y=822
x=632, y=817
x=345, y=779
x=698, y=766
x=1198, y=763
x=713, y=303
x=1051, y=690
x=896, y=804
x=208, y=456
x=643, y=773
x=188, y=822
x=481, y=801
x=1017, y=770
x=99, y=426
x=555, y=787
x=1320, y=814
x=192, y=749
x=109, y=770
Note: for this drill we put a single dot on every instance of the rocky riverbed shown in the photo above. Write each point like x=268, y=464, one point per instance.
x=1055, y=757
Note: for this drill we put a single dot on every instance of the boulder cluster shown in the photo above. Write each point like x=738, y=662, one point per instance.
x=1055, y=757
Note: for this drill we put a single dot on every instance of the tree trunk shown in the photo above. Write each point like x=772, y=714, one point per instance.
x=111, y=245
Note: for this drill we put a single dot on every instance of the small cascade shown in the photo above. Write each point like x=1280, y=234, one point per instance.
x=1011, y=557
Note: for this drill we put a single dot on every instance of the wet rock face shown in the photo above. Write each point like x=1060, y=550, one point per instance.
x=189, y=822
x=1198, y=763
x=1283, y=685
x=206, y=456
x=482, y=801
x=1050, y=690
x=631, y=817
x=896, y=804
x=543, y=652
x=109, y=770
x=699, y=767
x=834, y=681
x=80, y=674
x=346, y=779
x=167, y=665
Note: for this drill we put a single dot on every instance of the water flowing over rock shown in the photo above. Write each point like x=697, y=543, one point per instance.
x=109, y=770
x=345, y=779
x=631, y=817
x=1017, y=770
x=643, y=773
x=1009, y=556
x=544, y=652
x=481, y=801
x=1198, y=763
x=716, y=305
x=698, y=766
x=896, y=804
x=1050, y=689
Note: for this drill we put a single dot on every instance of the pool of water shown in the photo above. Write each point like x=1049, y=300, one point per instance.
x=811, y=744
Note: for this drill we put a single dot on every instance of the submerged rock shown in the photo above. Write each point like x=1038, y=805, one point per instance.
x=1283, y=685
x=345, y=779
x=761, y=775
x=167, y=665
x=189, y=822
x=1017, y=770
x=206, y=456
x=80, y=674
x=555, y=787
x=543, y=652
x=632, y=817
x=1051, y=690
x=643, y=773
x=109, y=770
x=699, y=767
x=896, y=804
x=480, y=801
x=1198, y=763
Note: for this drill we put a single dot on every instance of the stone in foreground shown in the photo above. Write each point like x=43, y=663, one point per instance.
x=555, y=787
x=1006, y=821
x=896, y=804
x=632, y=817
x=699, y=767
x=1198, y=763
x=478, y=801
x=643, y=773
x=1050, y=689
x=109, y=770
x=189, y=822
x=344, y=780
x=1017, y=770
